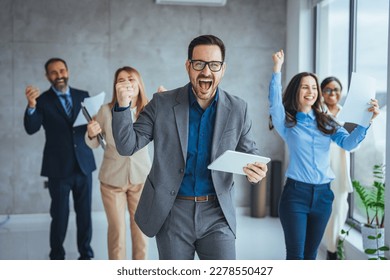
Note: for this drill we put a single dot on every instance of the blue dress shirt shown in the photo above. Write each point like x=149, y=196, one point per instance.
x=308, y=147
x=66, y=93
x=197, y=178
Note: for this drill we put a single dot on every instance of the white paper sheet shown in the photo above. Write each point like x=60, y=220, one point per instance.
x=234, y=162
x=93, y=105
x=355, y=108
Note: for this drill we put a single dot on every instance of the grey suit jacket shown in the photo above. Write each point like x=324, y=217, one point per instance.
x=165, y=121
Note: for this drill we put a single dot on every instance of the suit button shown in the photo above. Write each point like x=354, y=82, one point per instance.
x=181, y=170
x=75, y=145
x=173, y=193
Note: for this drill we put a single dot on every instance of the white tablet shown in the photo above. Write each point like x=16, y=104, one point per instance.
x=234, y=162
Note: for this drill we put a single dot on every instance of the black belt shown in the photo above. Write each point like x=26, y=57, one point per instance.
x=198, y=198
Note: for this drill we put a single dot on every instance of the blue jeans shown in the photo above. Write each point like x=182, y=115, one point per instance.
x=304, y=211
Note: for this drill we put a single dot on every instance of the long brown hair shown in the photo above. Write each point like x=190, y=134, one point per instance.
x=291, y=105
x=142, y=100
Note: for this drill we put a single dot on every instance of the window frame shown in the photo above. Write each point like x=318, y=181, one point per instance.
x=352, y=62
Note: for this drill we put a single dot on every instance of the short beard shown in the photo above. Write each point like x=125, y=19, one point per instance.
x=60, y=87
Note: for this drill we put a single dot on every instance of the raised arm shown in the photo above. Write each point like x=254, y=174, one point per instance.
x=32, y=119
x=278, y=59
x=276, y=108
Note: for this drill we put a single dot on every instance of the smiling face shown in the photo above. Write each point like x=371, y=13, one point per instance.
x=308, y=93
x=57, y=74
x=331, y=93
x=205, y=82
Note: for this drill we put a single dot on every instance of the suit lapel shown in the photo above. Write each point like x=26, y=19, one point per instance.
x=76, y=104
x=181, y=111
x=221, y=120
x=58, y=104
x=76, y=100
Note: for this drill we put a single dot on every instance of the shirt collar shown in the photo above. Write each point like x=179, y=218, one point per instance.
x=303, y=116
x=59, y=93
x=193, y=98
x=133, y=110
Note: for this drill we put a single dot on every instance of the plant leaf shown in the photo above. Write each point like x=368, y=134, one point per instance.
x=384, y=248
x=370, y=251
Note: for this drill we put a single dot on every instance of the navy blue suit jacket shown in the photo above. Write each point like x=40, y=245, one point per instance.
x=65, y=147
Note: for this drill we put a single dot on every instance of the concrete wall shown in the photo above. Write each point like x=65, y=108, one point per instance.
x=96, y=37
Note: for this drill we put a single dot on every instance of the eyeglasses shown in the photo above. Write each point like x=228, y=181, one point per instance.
x=199, y=65
x=329, y=91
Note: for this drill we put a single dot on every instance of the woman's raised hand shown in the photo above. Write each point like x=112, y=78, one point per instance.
x=278, y=59
x=124, y=93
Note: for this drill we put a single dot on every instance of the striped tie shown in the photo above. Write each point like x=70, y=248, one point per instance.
x=68, y=106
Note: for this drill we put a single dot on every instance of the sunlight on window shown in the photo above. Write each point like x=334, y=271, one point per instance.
x=332, y=58
x=371, y=59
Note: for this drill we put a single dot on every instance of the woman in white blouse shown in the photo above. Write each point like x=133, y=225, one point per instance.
x=341, y=186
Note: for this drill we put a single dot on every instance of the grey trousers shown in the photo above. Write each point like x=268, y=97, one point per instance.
x=197, y=227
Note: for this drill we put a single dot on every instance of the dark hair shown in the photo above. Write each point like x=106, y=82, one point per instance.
x=142, y=100
x=206, y=40
x=291, y=105
x=52, y=60
x=331, y=79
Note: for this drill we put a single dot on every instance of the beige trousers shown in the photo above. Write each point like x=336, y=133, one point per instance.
x=115, y=200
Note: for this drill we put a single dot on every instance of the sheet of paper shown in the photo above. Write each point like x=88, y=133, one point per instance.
x=93, y=105
x=234, y=162
x=361, y=90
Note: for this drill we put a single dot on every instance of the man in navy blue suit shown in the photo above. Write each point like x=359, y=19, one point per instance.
x=67, y=161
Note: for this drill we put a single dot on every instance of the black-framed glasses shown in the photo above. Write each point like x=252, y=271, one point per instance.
x=329, y=91
x=199, y=65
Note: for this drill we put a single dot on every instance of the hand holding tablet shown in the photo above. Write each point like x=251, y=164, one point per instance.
x=234, y=162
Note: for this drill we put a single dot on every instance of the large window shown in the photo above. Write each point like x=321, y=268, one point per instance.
x=352, y=36
x=333, y=40
x=371, y=59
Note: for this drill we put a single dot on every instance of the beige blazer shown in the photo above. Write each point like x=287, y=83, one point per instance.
x=117, y=170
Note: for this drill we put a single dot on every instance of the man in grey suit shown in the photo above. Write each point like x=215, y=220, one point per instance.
x=188, y=207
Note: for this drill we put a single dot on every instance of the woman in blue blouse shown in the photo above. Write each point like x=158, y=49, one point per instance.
x=306, y=201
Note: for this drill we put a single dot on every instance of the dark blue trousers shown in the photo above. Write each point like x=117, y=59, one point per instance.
x=304, y=211
x=81, y=187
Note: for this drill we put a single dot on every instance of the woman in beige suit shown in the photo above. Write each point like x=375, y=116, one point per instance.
x=121, y=177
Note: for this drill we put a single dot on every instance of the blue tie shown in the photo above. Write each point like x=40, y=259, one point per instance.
x=68, y=106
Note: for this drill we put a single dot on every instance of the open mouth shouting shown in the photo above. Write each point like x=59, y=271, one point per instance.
x=205, y=84
x=204, y=89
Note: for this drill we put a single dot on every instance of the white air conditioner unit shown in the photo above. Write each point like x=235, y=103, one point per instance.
x=192, y=2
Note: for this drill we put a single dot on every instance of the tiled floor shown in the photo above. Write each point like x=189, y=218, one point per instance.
x=26, y=237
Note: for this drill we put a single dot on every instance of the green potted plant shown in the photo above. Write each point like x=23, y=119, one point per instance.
x=372, y=200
